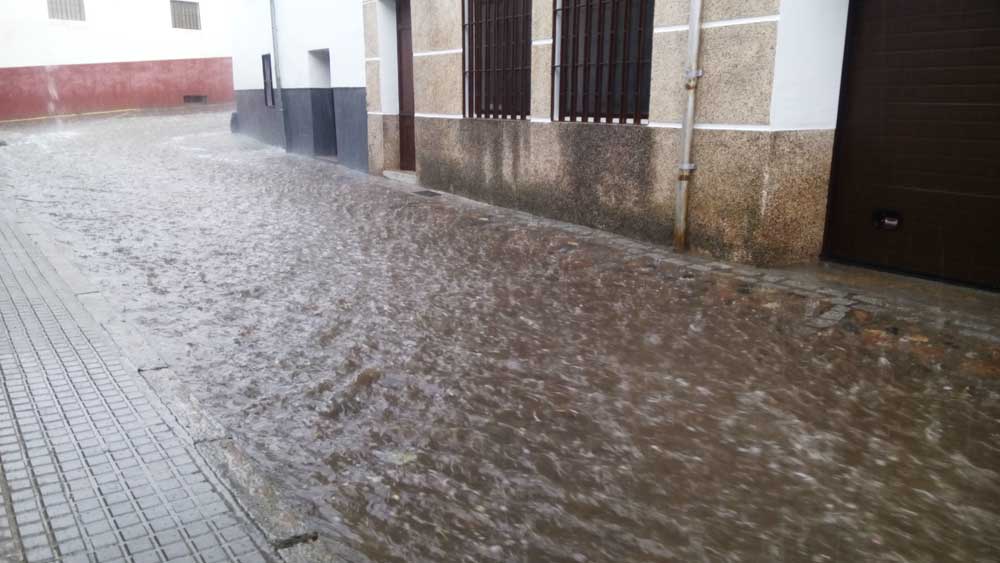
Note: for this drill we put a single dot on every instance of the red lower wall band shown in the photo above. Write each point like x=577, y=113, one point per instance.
x=67, y=89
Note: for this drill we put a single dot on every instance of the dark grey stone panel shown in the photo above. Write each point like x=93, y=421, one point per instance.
x=263, y=123
x=351, y=115
x=309, y=117
x=324, y=122
x=299, y=117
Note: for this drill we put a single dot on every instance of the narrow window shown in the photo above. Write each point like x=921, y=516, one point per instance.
x=497, y=53
x=67, y=10
x=601, y=61
x=268, y=81
x=185, y=15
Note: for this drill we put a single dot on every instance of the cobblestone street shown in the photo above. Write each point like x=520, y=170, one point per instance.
x=91, y=469
x=416, y=378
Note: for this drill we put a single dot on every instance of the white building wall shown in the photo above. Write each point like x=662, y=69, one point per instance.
x=251, y=40
x=808, y=64
x=307, y=25
x=114, y=31
x=303, y=26
x=388, y=57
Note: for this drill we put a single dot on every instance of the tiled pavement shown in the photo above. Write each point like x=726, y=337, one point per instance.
x=90, y=467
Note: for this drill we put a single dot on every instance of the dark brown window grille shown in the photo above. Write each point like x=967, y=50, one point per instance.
x=497, y=53
x=601, y=60
x=185, y=15
x=67, y=10
x=268, y=81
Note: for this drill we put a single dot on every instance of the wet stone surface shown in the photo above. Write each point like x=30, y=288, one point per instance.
x=448, y=381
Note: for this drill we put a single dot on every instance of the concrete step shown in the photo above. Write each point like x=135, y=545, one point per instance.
x=405, y=176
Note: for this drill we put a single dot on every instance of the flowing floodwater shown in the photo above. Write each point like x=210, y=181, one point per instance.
x=447, y=383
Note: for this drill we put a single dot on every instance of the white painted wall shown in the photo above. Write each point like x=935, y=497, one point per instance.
x=251, y=40
x=337, y=25
x=808, y=64
x=303, y=26
x=319, y=68
x=115, y=31
x=388, y=56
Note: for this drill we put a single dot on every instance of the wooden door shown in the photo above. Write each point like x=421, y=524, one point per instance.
x=404, y=42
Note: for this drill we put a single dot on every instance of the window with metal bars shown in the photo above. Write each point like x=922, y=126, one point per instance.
x=268, y=81
x=601, y=60
x=185, y=15
x=497, y=51
x=67, y=10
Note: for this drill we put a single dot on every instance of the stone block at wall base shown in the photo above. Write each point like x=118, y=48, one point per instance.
x=592, y=174
x=760, y=197
x=794, y=205
x=757, y=197
x=390, y=141
x=383, y=143
x=376, y=145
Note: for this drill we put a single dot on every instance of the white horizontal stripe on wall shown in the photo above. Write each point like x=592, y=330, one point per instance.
x=719, y=23
x=540, y=42
x=435, y=53
x=655, y=124
x=734, y=127
x=729, y=127
x=439, y=115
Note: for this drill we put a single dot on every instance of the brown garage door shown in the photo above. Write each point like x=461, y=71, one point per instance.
x=916, y=180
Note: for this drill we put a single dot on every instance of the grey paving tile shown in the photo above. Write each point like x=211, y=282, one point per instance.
x=89, y=471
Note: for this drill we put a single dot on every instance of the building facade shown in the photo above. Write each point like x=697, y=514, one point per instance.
x=859, y=131
x=77, y=56
x=299, y=75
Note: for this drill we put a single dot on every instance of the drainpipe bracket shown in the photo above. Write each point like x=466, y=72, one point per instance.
x=694, y=73
x=689, y=167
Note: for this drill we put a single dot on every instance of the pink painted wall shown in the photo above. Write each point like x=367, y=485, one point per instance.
x=66, y=89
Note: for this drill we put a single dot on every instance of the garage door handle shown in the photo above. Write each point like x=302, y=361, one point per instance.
x=887, y=220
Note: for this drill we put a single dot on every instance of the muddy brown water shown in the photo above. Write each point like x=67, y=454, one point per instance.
x=449, y=384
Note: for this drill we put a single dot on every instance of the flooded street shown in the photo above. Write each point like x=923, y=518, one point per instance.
x=447, y=383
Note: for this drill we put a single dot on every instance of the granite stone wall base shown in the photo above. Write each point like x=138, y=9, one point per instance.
x=390, y=140
x=376, y=145
x=592, y=174
x=757, y=197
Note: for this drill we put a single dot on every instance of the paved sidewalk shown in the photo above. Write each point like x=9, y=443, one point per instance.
x=90, y=467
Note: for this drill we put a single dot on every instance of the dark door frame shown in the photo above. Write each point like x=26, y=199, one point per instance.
x=404, y=53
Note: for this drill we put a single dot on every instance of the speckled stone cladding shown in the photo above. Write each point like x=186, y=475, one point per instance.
x=758, y=195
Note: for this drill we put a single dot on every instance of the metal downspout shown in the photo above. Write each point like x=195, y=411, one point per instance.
x=274, y=48
x=691, y=74
x=280, y=98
